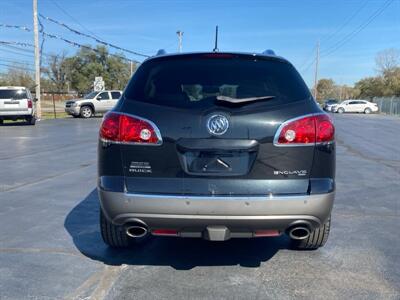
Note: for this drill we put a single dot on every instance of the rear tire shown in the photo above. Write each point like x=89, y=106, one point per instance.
x=1, y=121
x=316, y=239
x=113, y=235
x=340, y=110
x=86, y=112
x=31, y=120
x=367, y=110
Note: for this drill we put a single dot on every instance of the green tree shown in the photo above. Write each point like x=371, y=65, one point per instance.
x=370, y=87
x=326, y=89
x=82, y=69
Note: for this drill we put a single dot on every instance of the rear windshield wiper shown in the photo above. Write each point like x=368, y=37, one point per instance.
x=243, y=100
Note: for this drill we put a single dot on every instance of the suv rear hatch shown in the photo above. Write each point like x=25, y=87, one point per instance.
x=13, y=100
x=186, y=95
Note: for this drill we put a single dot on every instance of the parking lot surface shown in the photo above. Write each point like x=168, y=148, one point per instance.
x=50, y=244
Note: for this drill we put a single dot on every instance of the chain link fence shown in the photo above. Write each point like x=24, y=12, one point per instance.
x=388, y=105
x=53, y=103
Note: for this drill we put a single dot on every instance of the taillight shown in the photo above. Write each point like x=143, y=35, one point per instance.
x=29, y=103
x=126, y=129
x=308, y=130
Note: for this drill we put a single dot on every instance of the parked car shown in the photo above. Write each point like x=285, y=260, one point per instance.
x=216, y=146
x=92, y=103
x=16, y=103
x=329, y=103
x=358, y=106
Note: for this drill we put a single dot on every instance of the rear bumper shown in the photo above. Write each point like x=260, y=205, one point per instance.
x=190, y=215
x=4, y=114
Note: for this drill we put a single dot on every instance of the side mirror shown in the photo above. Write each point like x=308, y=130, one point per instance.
x=98, y=98
x=35, y=99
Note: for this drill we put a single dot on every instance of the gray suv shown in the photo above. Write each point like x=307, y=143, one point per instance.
x=216, y=146
x=92, y=103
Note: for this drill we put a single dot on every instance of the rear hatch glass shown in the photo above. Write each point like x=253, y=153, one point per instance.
x=13, y=94
x=13, y=99
x=197, y=81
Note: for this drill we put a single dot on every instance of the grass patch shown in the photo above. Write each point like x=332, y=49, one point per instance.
x=50, y=115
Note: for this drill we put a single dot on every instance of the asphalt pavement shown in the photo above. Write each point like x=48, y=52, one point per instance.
x=50, y=244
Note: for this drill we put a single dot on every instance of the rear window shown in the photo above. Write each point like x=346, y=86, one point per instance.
x=190, y=82
x=13, y=94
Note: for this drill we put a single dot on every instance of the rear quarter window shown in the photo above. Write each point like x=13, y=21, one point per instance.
x=190, y=82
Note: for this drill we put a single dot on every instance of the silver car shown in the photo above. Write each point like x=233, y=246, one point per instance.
x=92, y=103
x=16, y=103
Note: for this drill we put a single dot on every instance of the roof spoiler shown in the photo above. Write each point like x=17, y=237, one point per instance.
x=161, y=52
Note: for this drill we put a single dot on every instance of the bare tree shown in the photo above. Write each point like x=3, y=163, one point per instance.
x=56, y=71
x=387, y=60
x=19, y=76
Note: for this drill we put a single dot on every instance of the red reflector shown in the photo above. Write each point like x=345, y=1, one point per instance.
x=165, y=232
x=267, y=232
x=29, y=103
x=125, y=129
x=306, y=131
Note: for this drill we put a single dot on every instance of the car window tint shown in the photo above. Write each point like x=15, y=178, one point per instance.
x=13, y=94
x=195, y=81
x=104, y=96
x=115, y=95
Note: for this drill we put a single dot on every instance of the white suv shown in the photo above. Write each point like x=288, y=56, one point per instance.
x=92, y=103
x=16, y=102
x=359, y=106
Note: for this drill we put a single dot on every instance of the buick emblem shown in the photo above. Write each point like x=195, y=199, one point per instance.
x=217, y=124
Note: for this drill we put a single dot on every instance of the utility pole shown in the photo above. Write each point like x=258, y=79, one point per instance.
x=316, y=73
x=180, y=35
x=37, y=59
x=131, y=67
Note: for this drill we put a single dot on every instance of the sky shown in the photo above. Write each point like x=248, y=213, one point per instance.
x=350, y=32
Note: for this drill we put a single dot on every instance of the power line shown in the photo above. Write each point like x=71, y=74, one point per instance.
x=17, y=67
x=53, y=36
x=347, y=21
x=362, y=26
x=17, y=53
x=310, y=55
x=93, y=37
x=74, y=19
x=14, y=45
x=22, y=62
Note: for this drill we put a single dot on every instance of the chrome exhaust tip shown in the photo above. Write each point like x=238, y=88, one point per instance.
x=299, y=232
x=136, y=231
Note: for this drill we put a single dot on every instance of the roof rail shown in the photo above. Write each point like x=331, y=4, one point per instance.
x=161, y=52
x=269, y=52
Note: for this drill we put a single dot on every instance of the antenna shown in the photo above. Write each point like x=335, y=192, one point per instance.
x=216, y=40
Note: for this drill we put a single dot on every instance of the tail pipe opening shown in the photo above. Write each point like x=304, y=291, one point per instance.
x=136, y=229
x=299, y=232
